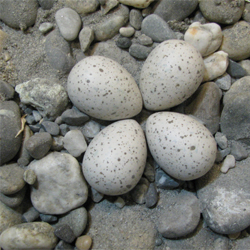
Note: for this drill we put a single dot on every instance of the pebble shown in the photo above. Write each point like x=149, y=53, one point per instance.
x=39, y=145
x=215, y=65
x=64, y=128
x=245, y=64
x=74, y=117
x=35, y=128
x=57, y=51
x=35, y=91
x=84, y=242
x=221, y=154
x=57, y=144
x=46, y=4
x=28, y=235
x=156, y=28
x=75, y=142
x=236, y=106
x=63, y=246
x=11, y=179
x=127, y=31
x=30, y=215
x=135, y=18
x=145, y=40
x=151, y=196
x=25, y=13
x=83, y=7
x=139, y=193
x=51, y=127
x=238, y=151
x=149, y=172
x=36, y=115
x=141, y=4
x=30, y=119
x=44, y=28
x=139, y=51
x=48, y=218
x=29, y=176
x=6, y=89
x=246, y=12
x=205, y=105
x=77, y=220
x=119, y=202
x=123, y=42
x=9, y=217
x=95, y=195
x=108, y=5
x=224, y=82
x=10, y=124
x=65, y=233
x=229, y=162
x=69, y=192
x=222, y=12
x=179, y=215
x=174, y=10
x=91, y=129
x=206, y=38
x=236, y=49
x=221, y=140
x=86, y=37
x=235, y=70
x=69, y=23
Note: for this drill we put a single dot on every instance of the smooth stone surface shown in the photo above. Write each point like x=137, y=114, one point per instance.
x=65, y=233
x=95, y=195
x=215, y=65
x=75, y=142
x=77, y=220
x=123, y=42
x=245, y=64
x=108, y=5
x=221, y=154
x=145, y=40
x=69, y=23
x=40, y=93
x=174, y=10
x=30, y=215
x=224, y=82
x=225, y=198
x=58, y=52
x=38, y=235
x=63, y=246
x=238, y=150
x=141, y=4
x=229, y=162
x=223, y=12
x=11, y=179
x=236, y=112
x=57, y=144
x=221, y=140
x=10, y=124
x=139, y=51
x=84, y=242
x=39, y=145
x=127, y=31
x=48, y=218
x=180, y=215
x=29, y=176
x=18, y=14
x=135, y=18
x=86, y=37
x=74, y=117
x=156, y=28
x=60, y=193
x=206, y=38
x=51, y=127
x=205, y=105
x=46, y=27
x=151, y=196
x=237, y=49
x=82, y=7
x=6, y=90
x=91, y=129
x=235, y=70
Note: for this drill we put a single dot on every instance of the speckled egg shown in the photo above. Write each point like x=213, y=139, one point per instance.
x=171, y=74
x=183, y=147
x=102, y=88
x=116, y=157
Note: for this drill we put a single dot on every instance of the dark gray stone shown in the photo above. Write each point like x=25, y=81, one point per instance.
x=156, y=28
x=46, y=4
x=224, y=82
x=51, y=127
x=10, y=124
x=235, y=70
x=235, y=116
x=18, y=14
x=205, y=105
x=65, y=233
x=238, y=151
x=30, y=119
x=35, y=128
x=123, y=42
x=225, y=199
x=152, y=195
x=139, y=51
x=74, y=117
x=6, y=90
x=39, y=145
x=135, y=18
x=30, y=215
x=63, y=246
x=58, y=52
x=174, y=10
x=139, y=192
x=48, y=218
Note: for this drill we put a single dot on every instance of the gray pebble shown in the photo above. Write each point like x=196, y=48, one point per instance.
x=95, y=195
x=63, y=246
x=64, y=128
x=30, y=119
x=235, y=70
x=46, y=4
x=36, y=115
x=39, y=145
x=65, y=233
x=91, y=129
x=30, y=215
x=221, y=140
x=57, y=144
x=149, y=172
x=119, y=202
x=86, y=37
x=51, y=127
x=123, y=42
x=152, y=195
x=245, y=64
x=139, y=192
x=221, y=154
x=74, y=117
x=29, y=176
x=156, y=28
x=224, y=82
x=145, y=40
x=48, y=218
x=158, y=241
x=139, y=51
x=108, y=5
x=35, y=128
x=135, y=18
x=6, y=90
x=46, y=27
x=238, y=151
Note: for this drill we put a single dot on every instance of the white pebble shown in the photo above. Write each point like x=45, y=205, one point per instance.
x=127, y=31
x=228, y=163
x=46, y=27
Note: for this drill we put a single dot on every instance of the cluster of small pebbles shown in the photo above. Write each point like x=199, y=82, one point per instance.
x=124, y=124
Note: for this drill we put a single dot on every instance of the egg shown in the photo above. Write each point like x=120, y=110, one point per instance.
x=183, y=147
x=115, y=159
x=171, y=73
x=103, y=89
